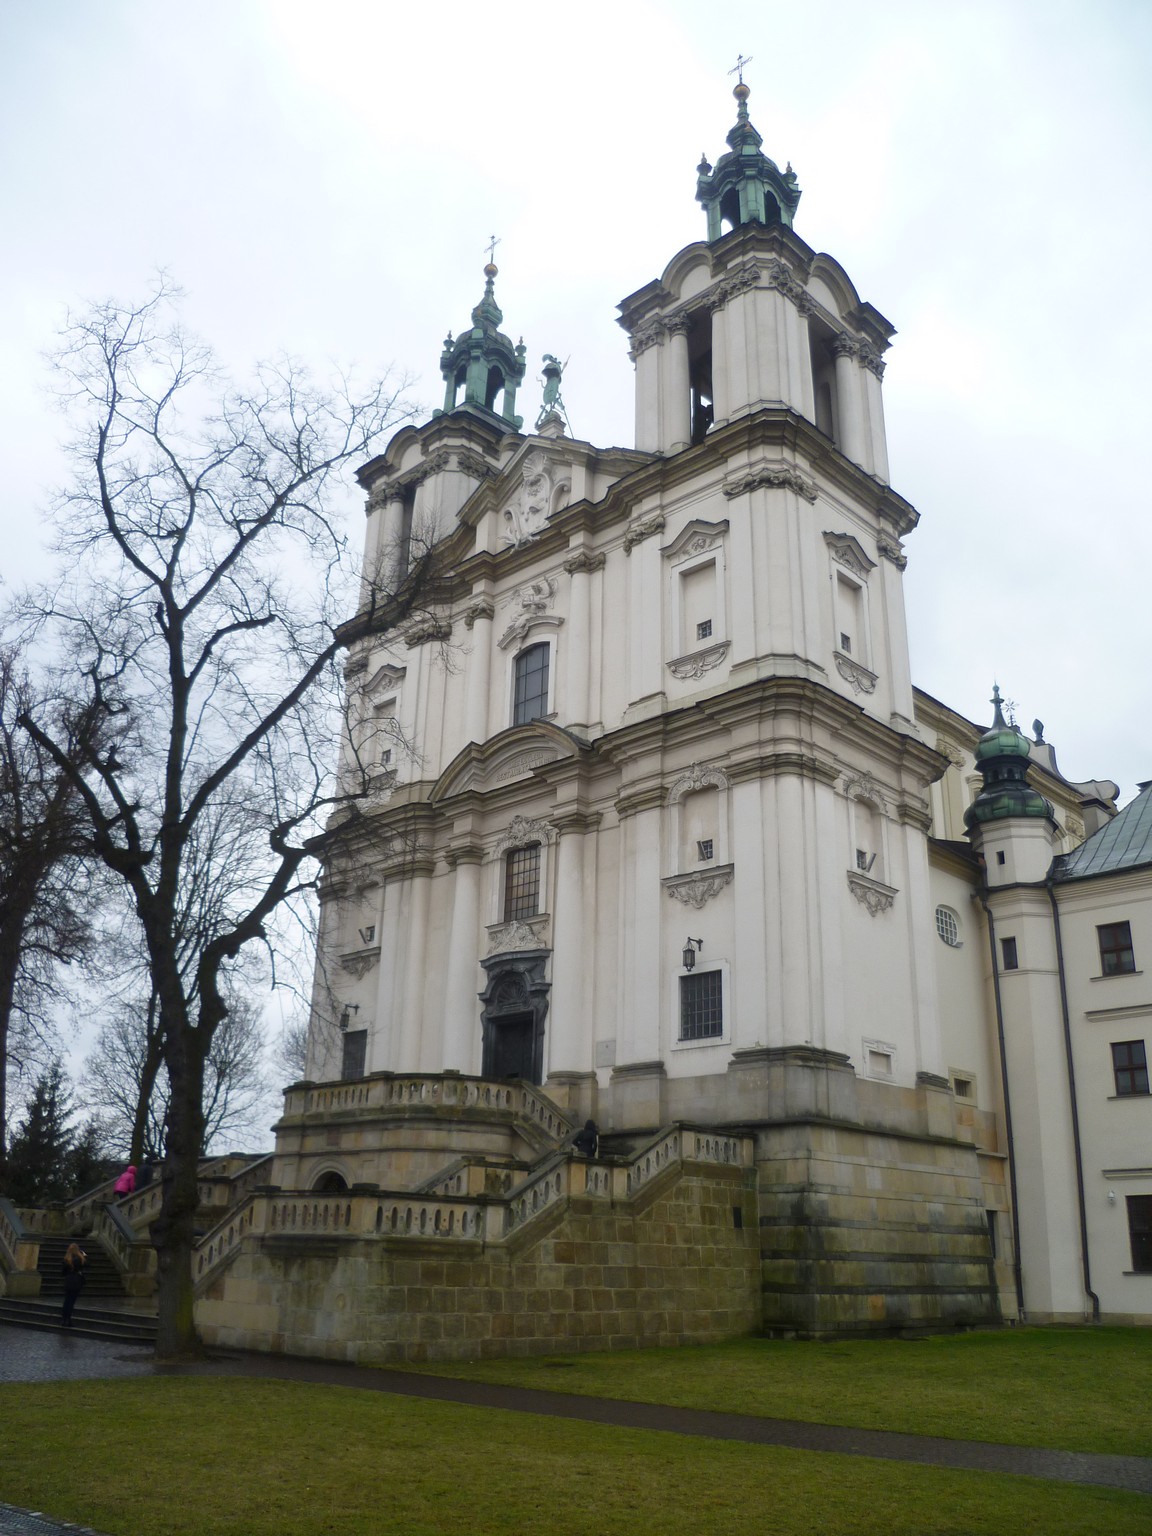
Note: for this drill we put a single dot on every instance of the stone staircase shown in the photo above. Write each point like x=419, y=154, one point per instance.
x=122, y=1325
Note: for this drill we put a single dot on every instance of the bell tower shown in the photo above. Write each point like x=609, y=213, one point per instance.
x=482, y=362
x=745, y=187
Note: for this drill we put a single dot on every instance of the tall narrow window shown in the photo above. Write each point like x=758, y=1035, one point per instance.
x=530, y=698
x=700, y=374
x=1117, y=957
x=522, y=883
x=1009, y=959
x=702, y=1005
x=697, y=605
x=850, y=619
x=355, y=1053
x=1129, y=1067
x=1140, y=1232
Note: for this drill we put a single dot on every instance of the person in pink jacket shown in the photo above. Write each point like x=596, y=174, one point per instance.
x=126, y=1183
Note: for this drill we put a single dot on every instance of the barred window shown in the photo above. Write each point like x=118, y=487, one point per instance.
x=1129, y=1067
x=947, y=927
x=1117, y=957
x=702, y=1005
x=522, y=883
x=530, y=700
x=354, y=1055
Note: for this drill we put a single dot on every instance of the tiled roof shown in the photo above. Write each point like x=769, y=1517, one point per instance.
x=1124, y=843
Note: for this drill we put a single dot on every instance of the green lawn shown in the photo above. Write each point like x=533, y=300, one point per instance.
x=1068, y=1389
x=243, y=1457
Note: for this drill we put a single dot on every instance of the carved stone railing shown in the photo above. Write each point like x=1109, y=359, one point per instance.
x=433, y=1091
x=140, y=1210
x=19, y=1251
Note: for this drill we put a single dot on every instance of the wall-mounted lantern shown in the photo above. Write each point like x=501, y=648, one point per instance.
x=689, y=956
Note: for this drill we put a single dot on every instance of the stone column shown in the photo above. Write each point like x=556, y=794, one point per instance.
x=677, y=432
x=382, y=567
x=478, y=618
x=461, y=998
x=646, y=342
x=872, y=371
x=848, y=400
x=569, y=1013
x=721, y=389
x=892, y=564
x=415, y=935
x=577, y=650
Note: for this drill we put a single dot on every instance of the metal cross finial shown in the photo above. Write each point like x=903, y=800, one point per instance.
x=738, y=69
x=492, y=244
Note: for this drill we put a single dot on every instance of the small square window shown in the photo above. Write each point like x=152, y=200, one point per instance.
x=704, y=630
x=962, y=1087
x=702, y=1005
x=704, y=850
x=1117, y=957
x=1009, y=959
x=879, y=1063
x=1130, y=1067
x=367, y=935
x=846, y=643
x=864, y=860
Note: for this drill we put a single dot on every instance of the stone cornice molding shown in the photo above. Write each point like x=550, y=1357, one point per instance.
x=862, y=680
x=522, y=832
x=576, y=821
x=766, y=765
x=917, y=816
x=643, y=528
x=472, y=464
x=870, y=893
x=387, y=676
x=850, y=553
x=584, y=563
x=481, y=608
x=698, y=888
x=633, y=802
x=517, y=630
x=463, y=853
x=697, y=663
x=777, y=476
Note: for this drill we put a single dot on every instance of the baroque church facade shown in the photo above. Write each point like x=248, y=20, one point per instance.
x=658, y=833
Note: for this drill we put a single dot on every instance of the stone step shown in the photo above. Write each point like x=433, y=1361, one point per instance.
x=93, y=1322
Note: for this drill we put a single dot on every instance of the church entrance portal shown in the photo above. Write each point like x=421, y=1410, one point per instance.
x=515, y=1002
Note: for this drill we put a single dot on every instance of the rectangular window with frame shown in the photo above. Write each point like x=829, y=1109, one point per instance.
x=1009, y=958
x=1140, y=1232
x=702, y=1005
x=522, y=883
x=1117, y=957
x=1129, y=1067
x=530, y=699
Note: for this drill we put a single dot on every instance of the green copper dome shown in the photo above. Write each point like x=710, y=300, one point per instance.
x=483, y=362
x=1002, y=756
x=745, y=187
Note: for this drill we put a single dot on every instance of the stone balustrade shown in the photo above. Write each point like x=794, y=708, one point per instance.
x=388, y=1091
x=19, y=1251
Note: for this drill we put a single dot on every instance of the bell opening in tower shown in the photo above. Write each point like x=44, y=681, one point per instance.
x=495, y=385
x=730, y=210
x=700, y=374
x=823, y=364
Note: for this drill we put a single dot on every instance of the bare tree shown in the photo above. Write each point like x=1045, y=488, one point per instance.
x=126, y=1085
x=45, y=883
x=204, y=620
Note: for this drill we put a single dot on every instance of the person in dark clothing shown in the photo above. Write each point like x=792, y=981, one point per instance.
x=73, y=1266
x=587, y=1141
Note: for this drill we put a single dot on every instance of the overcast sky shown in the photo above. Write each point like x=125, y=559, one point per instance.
x=323, y=180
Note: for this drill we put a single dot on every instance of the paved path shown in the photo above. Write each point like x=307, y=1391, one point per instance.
x=28, y=1356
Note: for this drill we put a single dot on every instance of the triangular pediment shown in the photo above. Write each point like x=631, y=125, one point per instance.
x=696, y=538
x=515, y=754
x=849, y=552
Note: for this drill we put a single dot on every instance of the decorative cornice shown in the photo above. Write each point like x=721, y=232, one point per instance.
x=583, y=562
x=778, y=476
x=950, y=750
x=698, y=888
x=696, y=538
x=650, y=798
x=849, y=553
x=873, y=894
x=781, y=277
x=427, y=627
x=804, y=765
x=892, y=550
x=360, y=962
x=643, y=528
x=862, y=786
x=520, y=627
x=522, y=831
x=481, y=608
x=431, y=466
x=472, y=464
x=933, y=1080
x=852, y=672
x=650, y=334
x=843, y=345
x=698, y=776
x=699, y=662
x=463, y=853
x=527, y=933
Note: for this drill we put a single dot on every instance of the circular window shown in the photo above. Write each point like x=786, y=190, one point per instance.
x=948, y=926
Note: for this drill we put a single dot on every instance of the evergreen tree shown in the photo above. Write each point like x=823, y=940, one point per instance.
x=39, y=1152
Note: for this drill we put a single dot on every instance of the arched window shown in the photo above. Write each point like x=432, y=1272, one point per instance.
x=530, y=695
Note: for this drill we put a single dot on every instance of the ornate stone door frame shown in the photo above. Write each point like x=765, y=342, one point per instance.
x=516, y=985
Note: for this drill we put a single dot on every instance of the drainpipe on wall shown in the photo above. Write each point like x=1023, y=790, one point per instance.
x=1050, y=888
x=1017, y=1274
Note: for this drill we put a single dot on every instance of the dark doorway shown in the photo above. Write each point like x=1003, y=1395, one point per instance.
x=508, y=1047
x=515, y=1002
x=329, y=1184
